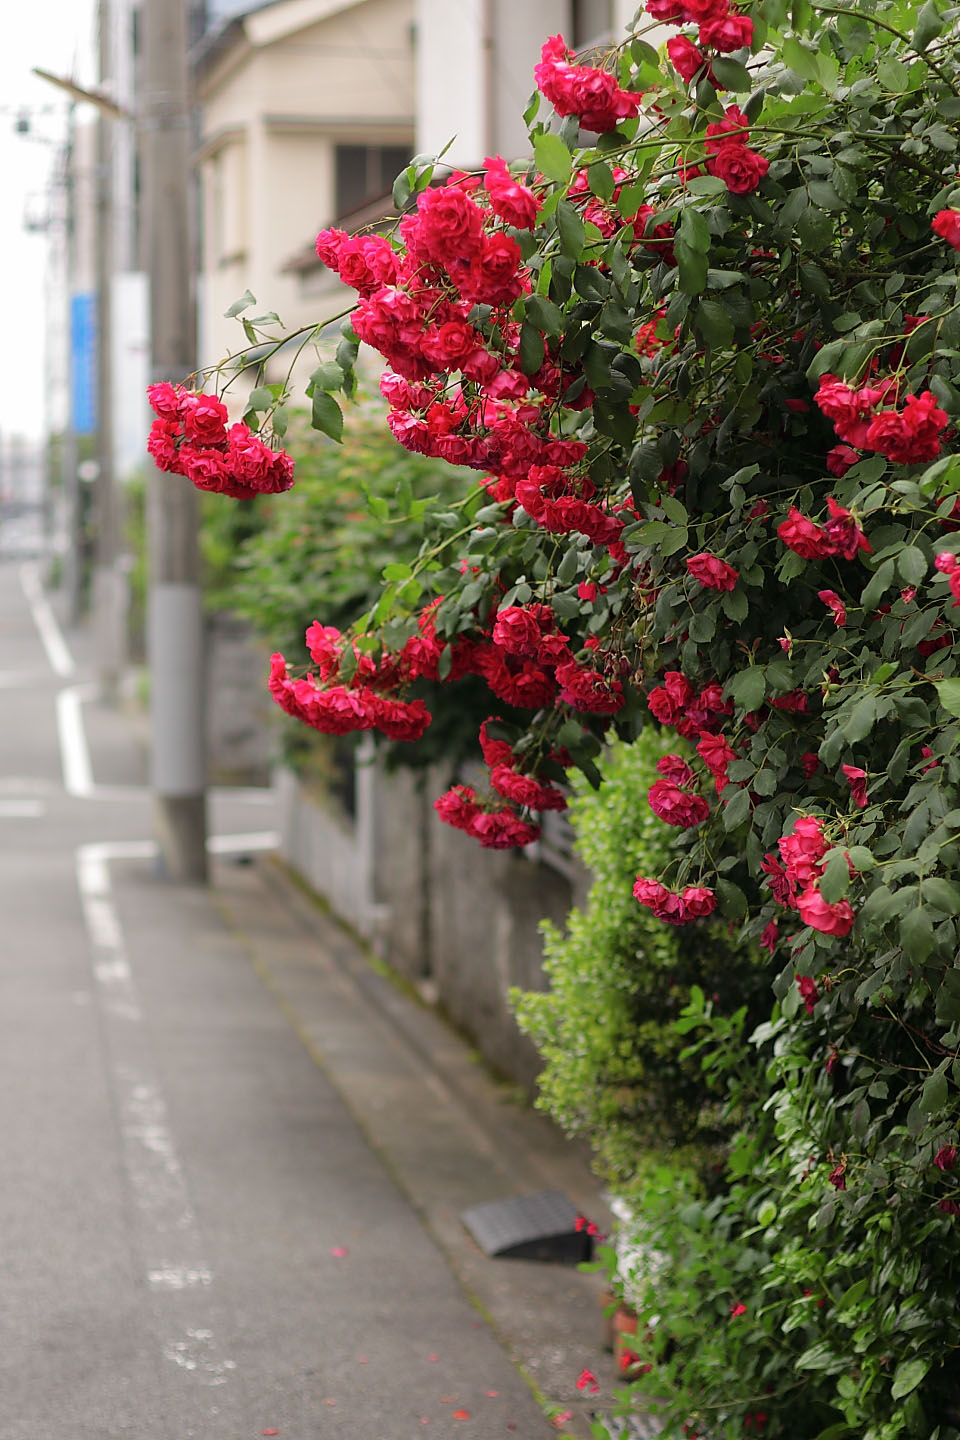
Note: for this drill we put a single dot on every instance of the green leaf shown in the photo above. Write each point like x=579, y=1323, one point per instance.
x=916, y=933
x=544, y=314
x=731, y=74
x=942, y=893
x=327, y=416
x=397, y=571
x=835, y=879
x=570, y=229
x=261, y=398
x=912, y=565
x=553, y=157
x=692, y=267
x=737, y=810
x=948, y=692
x=877, y=585
x=714, y=323
x=600, y=179
x=531, y=349
x=238, y=306
x=908, y=1376
x=735, y=605
x=862, y=719
x=929, y=26
x=933, y=1096
x=328, y=376
x=748, y=688
x=693, y=229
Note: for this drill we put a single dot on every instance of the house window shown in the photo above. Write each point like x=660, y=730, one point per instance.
x=592, y=22
x=366, y=173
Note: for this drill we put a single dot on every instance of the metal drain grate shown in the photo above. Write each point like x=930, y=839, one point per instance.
x=530, y=1227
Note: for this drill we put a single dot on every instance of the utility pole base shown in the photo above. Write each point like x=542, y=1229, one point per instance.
x=180, y=826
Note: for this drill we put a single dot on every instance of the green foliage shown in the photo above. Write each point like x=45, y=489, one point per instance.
x=848, y=1304
x=619, y=980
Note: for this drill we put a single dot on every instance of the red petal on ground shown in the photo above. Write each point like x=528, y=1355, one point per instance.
x=328, y=1401
x=363, y=1359
x=339, y=1251
x=431, y=1358
x=269, y=1432
x=461, y=1414
x=494, y=1394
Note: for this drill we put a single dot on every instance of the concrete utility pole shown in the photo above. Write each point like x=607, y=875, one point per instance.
x=108, y=604
x=175, y=627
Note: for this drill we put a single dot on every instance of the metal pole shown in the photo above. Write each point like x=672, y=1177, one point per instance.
x=108, y=614
x=175, y=625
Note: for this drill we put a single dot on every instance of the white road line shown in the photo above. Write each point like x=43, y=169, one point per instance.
x=22, y=809
x=51, y=636
x=171, y=1245
x=74, y=752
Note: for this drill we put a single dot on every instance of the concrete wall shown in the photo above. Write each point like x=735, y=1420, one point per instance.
x=461, y=923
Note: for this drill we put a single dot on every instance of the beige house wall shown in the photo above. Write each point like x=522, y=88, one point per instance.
x=294, y=81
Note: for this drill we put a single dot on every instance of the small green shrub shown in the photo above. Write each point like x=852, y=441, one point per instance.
x=614, y=1070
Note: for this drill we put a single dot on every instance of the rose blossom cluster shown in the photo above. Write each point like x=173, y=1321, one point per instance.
x=840, y=535
x=582, y=90
x=498, y=826
x=793, y=883
x=907, y=436
x=190, y=437
x=695, y=902
x=524, y=660
x=947, y=564
x=675, y=799
x=416, y=305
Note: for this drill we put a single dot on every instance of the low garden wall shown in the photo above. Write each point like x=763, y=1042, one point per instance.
x=460, y=923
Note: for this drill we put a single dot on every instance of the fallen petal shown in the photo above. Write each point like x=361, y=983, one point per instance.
x=461, y=1414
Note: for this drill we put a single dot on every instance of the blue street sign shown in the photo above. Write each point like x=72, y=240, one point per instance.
x=83, y=363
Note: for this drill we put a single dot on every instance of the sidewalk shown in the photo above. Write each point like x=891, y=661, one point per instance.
x=237, y=1155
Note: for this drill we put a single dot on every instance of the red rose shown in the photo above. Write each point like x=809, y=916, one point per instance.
x=832, y=600
x=809, y=993
x=698, y=901
x=740, y=168
x=803, y=537
x=502, y=830
x=802, y=850
x=458, y=807
x=328, y=247
x=686, y=59
x=840, y=459
x=731, y=32
x=204, y=419
x=524, y=790
x=162, y=444
x=857, y=780
x=836, y=919
x=946, y=1158
x=676, y=806
x=450, y=224
x=512, y=201
x=675, y=768
x=517, y=631
x=946, y=224
x=711, y=572
x=166, y=400
x=843, y=533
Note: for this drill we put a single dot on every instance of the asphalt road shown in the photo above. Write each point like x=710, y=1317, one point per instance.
x=196, y=1239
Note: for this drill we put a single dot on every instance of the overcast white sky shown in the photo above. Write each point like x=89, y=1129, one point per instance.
x=57, y=35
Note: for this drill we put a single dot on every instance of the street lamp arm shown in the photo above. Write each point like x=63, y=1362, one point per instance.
x=89, y=97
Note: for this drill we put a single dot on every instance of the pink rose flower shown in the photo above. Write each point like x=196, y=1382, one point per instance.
x=711, y=572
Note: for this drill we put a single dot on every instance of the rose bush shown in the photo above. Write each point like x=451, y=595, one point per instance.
x=706, y=367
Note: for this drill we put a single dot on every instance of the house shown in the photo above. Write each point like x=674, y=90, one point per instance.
x=306, y=115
